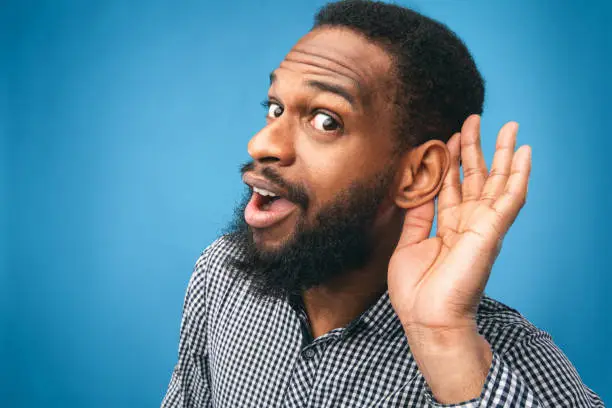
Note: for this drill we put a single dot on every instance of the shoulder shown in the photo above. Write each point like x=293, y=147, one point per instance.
x=214, y=260
x=503, y=326
x=212, y=271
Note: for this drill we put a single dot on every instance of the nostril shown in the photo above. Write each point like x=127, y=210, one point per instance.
x=269, y=159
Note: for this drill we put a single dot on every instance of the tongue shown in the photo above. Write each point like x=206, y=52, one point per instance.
x=260, y=215
x=280, y=205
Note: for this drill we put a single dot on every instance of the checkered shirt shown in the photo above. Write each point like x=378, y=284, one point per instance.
x=236, y=351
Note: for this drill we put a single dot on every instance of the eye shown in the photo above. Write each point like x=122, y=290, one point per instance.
x=274, y=110
x=325, y=123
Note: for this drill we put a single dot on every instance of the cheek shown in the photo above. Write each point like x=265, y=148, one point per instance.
x=329, y=178
x=328, y=168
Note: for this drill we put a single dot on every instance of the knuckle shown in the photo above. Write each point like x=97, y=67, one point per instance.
x=488, y=197
x=498, y=173
x=473, y=171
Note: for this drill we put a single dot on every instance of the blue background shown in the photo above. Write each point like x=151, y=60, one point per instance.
x=122, y=126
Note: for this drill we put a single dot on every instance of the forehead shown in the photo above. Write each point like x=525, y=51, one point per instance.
x=342, y=56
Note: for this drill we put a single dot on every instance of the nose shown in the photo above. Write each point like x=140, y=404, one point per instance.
x=273, y=144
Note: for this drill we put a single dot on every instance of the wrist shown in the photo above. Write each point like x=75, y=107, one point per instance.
x=439, y=339
x=455, y=362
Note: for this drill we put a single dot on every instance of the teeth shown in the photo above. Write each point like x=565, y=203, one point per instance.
x=264, y=192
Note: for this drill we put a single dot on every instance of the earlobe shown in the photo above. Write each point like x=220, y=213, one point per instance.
x=421, y=174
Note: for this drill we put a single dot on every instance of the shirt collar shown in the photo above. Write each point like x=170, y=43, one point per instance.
x=380, y=318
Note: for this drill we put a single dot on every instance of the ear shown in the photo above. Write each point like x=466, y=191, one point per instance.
x=421, y=173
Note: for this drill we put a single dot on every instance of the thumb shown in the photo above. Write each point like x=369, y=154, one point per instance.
x=417, y=224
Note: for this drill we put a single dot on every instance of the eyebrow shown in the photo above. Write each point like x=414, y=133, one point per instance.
x=325, y=87
x=331, y=88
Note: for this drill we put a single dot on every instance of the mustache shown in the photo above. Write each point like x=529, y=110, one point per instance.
x=295, y=192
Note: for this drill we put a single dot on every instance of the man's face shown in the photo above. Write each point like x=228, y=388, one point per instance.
x=326, y=152
x=328, y=127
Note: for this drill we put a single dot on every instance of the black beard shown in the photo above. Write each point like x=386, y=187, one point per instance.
x=340, y=241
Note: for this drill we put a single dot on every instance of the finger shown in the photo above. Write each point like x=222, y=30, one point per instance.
x=450, y=193
x=474, y=166
x=514, y=196
x=502, y=163
x=417, y=224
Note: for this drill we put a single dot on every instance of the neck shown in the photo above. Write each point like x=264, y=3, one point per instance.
x=338, y=302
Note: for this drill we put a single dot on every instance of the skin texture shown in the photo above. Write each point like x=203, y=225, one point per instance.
x=434, y=284
x=325, y=162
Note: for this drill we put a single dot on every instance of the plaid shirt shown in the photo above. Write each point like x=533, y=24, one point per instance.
x=237, y=351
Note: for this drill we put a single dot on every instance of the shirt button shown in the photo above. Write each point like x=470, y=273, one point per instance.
x=309, y=353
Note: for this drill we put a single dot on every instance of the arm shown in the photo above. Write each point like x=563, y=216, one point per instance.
x=533, y=373
x=189, y=385
x=436, y=283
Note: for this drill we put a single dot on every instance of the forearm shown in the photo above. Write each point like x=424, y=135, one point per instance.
x=455, y=363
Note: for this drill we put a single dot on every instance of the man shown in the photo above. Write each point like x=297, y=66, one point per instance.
x=328, y=291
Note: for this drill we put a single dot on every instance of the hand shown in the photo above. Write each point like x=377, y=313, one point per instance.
x=435, y=284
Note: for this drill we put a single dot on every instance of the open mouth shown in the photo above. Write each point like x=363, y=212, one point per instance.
x=266, y=199
x=266, y=208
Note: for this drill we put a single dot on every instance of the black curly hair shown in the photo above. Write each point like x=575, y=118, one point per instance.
x=439, y=84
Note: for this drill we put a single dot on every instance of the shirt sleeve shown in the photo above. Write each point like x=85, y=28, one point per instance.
x=533, y=373
x=190, y=385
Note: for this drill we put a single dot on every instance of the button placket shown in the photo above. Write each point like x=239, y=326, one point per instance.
x=308, y=354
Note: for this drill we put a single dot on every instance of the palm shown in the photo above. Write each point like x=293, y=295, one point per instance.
x=437, y=282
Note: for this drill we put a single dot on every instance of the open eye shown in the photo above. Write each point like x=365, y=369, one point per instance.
x=325, y=123
x=274, y=110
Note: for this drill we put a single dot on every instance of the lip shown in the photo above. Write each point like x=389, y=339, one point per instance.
x=254, y=181
x=279, y=211
x=264, y=220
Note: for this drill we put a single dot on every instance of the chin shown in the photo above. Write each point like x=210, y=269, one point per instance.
x=268, y=240
x=276, y=237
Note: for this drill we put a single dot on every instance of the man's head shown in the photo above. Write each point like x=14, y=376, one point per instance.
x=358, y=114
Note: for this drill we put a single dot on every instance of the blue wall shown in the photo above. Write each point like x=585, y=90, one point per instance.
x=122, y=134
